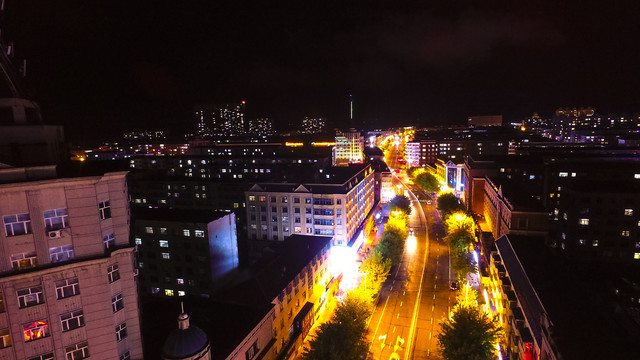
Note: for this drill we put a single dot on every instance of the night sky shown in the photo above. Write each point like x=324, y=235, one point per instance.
x=100, y=67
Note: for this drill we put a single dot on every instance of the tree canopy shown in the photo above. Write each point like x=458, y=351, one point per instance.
x=470, y=334
x=449, y=203
x=402, y=203
x=344, y=336
x=391, y=245
x=427, y=181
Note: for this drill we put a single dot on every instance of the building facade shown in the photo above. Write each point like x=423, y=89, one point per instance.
x=67, y=272
x=275, y=211
x=182, y=252
x=349, y=148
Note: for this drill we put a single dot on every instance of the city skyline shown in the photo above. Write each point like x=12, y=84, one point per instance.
x=100, y=70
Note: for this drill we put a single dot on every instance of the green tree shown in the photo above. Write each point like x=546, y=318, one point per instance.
x=376, y=268
x=344, y=336
x=402, y=203
x=467, y=297
x=391, y=245
x=459, y=240
x=413, y=171
x=469, y=335
x=462, y=263
x=427, y=182
x=449, y=203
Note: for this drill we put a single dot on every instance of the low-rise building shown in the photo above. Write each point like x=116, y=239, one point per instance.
x=183, y=252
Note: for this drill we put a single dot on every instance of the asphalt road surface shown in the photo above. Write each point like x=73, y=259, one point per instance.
x=416, y=296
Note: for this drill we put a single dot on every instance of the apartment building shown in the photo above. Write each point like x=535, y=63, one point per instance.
x=182, y=252
x=67, y=272
x=335, y=207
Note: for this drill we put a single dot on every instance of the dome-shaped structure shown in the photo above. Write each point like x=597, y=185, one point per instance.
x=186, y=342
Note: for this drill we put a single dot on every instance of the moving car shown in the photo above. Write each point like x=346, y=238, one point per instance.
x=410, y=231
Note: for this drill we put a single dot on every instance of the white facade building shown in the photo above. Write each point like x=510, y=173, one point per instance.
x=275, y=211
x=412, y=153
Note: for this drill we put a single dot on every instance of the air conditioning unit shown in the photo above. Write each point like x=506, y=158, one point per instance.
x=55, y=234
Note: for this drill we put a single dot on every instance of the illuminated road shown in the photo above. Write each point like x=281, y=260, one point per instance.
x=416, y=295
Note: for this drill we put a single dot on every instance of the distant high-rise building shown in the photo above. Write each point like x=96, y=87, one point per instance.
x=313, y=125
x=348, y=149
x=219, y=120
x=260, y=127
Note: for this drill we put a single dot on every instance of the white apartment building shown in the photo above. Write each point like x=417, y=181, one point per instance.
x=275, y=211
x=412, y=153
x=348, y=149
x=67, y=272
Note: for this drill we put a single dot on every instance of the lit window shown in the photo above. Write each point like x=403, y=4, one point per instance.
x=181, y=293
x=5, y=339
x=77, y=351
x=105, y=209
x=583, y=221
x=180, y=281
x=186, y=232
x=23, y=261
x=563, y=174
x=252, y=198
x=625, y=233
x=595, y=243
x=166, y=256
x=138, y=241
x=636, y=176
x=163, y=231
x=636, y=256
x=168, y=292
x=164, y=243
x=148, y=229
x=628, y=212
x=199, y=233
x=35, y=330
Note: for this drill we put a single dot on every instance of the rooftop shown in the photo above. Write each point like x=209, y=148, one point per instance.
x=577, y=302
x=182, y=215
x=265, y=280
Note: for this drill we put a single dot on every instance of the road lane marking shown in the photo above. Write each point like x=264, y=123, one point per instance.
x=400, y=303
x=398, y=316
x=434, y=296
x=394, y=329
x=379, y=321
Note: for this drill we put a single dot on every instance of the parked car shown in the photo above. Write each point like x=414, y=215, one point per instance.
x=454, y=285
